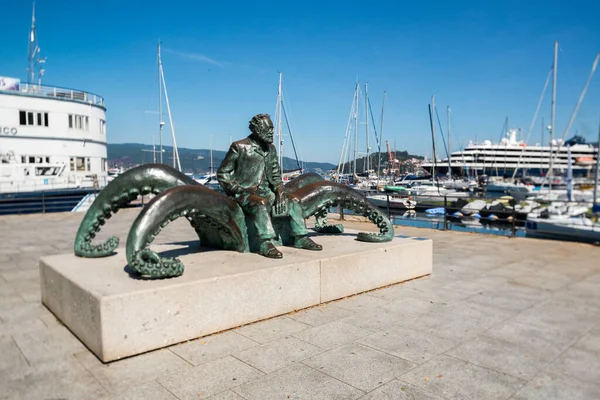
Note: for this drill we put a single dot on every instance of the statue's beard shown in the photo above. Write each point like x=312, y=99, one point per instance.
x=264, y=138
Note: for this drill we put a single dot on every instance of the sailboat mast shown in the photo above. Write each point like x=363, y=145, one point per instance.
x=211, y=158
x=355, y=124
x=161, y=123
x=176, y=161
x=449, y=148
x=553, y=111
x=595, y=207
x=280, y=122
x=153, y=151
x=381, y=133
x=366, y=165
x=431, y=111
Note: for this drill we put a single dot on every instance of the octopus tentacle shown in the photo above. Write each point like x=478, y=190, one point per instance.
x=206, y=209
x=318, y=196
x=321, y=215
x=302, y=180
x=141, y=180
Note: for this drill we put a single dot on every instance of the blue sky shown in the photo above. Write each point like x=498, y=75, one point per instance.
x=486, y=60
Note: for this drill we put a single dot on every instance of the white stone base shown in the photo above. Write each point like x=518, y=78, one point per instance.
x=116, y=315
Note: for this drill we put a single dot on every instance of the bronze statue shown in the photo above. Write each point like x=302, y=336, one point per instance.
x=251, y=175
x=257, y=208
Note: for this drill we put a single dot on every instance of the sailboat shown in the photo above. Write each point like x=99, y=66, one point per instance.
x=366, y=179
x=572, y=221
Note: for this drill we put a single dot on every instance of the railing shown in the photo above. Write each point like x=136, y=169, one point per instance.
x=79, y=96
x=41, y=203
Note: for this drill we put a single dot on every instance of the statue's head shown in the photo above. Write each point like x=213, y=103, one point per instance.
x=261, y=127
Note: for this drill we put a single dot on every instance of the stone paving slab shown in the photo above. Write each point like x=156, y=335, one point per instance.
x=499, y=318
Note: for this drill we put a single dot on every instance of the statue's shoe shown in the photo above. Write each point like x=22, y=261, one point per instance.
x=307, y=243
x=334, y=229
x=268, y=250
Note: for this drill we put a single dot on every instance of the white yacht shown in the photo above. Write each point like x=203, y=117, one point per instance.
x=52, y=142
x=502, y=159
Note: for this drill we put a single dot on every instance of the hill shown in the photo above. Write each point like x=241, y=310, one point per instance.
x=192, y=160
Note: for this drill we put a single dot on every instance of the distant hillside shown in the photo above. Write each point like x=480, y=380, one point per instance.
x=192, y=160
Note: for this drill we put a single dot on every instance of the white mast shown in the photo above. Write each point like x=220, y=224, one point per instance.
x=553, y=111
x=595, y=207
x=161, y=123
x=431, y=112
x=344, y=156
x=366, y=165
x=449, y=149
x=176, y=161
x=279, y=121
x=356, y=124
x=381, y=137
x=211, y=158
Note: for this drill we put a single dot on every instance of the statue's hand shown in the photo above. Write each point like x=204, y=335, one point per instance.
x=280, y=202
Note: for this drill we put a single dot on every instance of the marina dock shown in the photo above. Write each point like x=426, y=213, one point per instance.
x=499, y=318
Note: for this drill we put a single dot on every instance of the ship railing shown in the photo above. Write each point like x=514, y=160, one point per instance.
x=79, y=96
x=42, y=202
x=68, y=182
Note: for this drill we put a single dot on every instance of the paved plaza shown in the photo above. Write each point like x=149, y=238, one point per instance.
x=499, y=318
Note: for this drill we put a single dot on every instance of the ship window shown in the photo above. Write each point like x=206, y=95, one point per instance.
x=103, y=164
x=79, y=122
x=48, y=160
x=102, y=126
x=87, y=163
x=31, y=160
x=23, y=160
x=78, y=163
x=33, y=118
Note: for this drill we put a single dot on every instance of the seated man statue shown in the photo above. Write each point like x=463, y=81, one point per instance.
x=250, y=174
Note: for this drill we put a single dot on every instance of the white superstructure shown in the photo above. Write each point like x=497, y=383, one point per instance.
x=51, y=138
x=502, y=159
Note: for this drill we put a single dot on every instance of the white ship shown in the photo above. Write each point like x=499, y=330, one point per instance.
x=52, y=142
x=510, y=155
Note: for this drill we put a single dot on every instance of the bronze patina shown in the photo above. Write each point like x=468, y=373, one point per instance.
x=256, y=212
x=250, y=174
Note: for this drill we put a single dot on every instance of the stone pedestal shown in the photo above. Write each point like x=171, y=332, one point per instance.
x=117, y=315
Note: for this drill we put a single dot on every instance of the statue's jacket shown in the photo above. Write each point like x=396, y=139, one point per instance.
x=248, y=166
